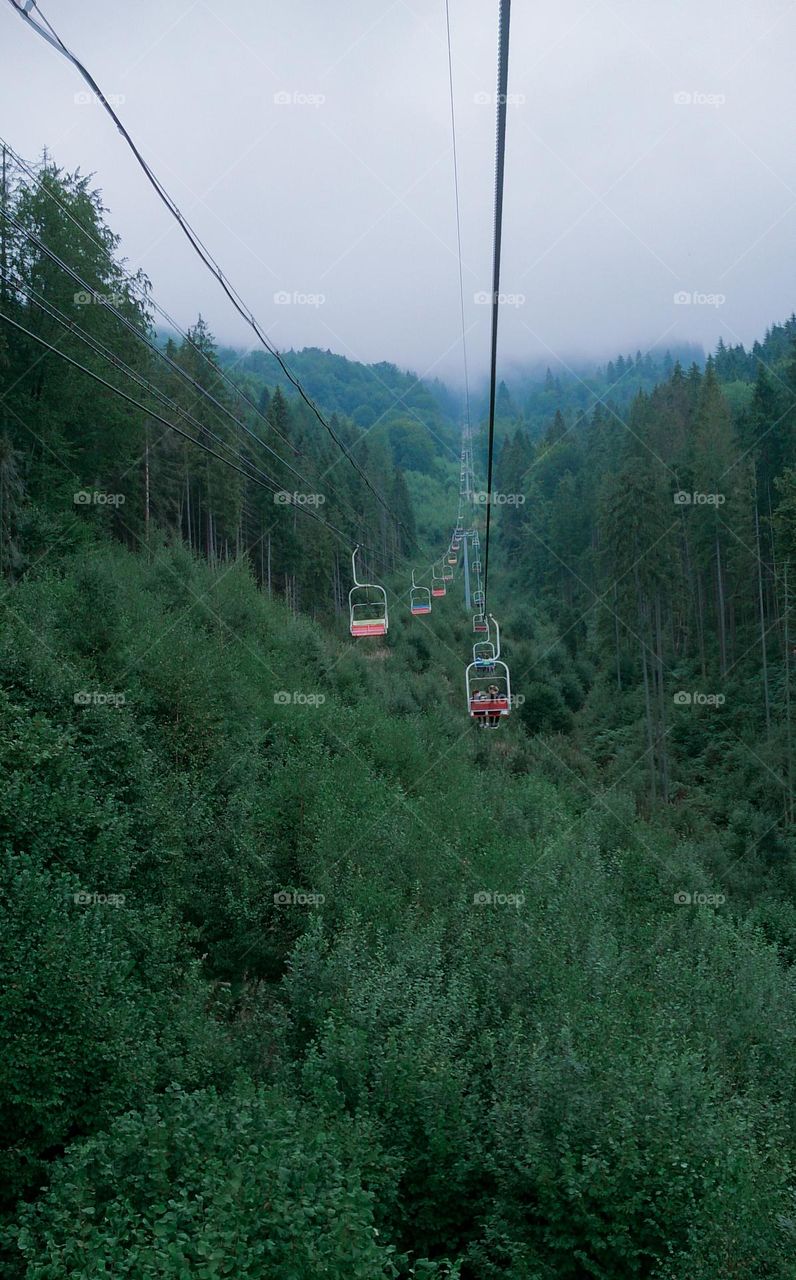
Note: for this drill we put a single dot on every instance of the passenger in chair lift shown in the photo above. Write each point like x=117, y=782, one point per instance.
x=493, y=695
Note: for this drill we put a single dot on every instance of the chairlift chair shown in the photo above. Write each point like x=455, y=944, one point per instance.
x=367, y=606
x=488, y=695
x=488, y=691
x=438, y=587
x=484, y=657
x=419, y=598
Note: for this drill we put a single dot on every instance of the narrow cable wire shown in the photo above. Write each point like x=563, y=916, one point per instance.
x=458, y=215
x=193, y=238
x=307, y=511
x=146, y=298
x=500, y=164
x=103, y=300
x=101, y=349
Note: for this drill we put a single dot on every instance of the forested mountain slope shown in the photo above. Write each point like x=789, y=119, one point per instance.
x=365, y=392
x=303, y=974
x=661, y=547
x=295, y=957
x=188, y=450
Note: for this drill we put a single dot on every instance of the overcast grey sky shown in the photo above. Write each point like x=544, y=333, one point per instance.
x=619, y=196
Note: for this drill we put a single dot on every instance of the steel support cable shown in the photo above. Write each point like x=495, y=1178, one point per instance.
x=128, y=324
x=23, y=8
x=145, y=297
x=344, y=537
x=458, y=215
x=138, y=333
x=500, y=163
x=101, y=349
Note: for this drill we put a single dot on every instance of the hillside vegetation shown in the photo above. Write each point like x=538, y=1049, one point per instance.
x=579, y=1076
x=304, y=975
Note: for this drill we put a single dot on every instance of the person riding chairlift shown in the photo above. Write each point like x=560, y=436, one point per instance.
x=492, y=696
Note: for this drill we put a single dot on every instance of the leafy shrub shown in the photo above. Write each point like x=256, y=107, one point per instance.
x=206, y=1186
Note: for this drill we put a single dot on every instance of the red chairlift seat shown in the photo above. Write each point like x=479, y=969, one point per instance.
x=438, y=579
x=488, y=695
x=489, y=706
x=368, y=627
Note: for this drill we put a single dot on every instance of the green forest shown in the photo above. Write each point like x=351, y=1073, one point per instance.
x=305, y=975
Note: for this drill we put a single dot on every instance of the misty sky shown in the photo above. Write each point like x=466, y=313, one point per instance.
x=618, y=196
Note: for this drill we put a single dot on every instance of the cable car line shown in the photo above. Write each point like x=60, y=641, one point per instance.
x=100, y=348
x=23, y=8
x=368, y=604
x=138, y=333
x=106, y=353
x=344, y=537
x=153, y=347
x=458, y=215
x=500, y=163
x=145, y=297
x=487, y=677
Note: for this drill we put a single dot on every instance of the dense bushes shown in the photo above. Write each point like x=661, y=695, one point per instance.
x=479, y=1026
x=205, y=1186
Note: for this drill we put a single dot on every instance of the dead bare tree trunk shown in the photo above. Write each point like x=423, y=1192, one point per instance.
x=189, y=513
x=763, y=655
x=700, y=625
x=720, y=609
x=146, y=486
x=789, y=799
x=647, y=699
x=664, y=760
